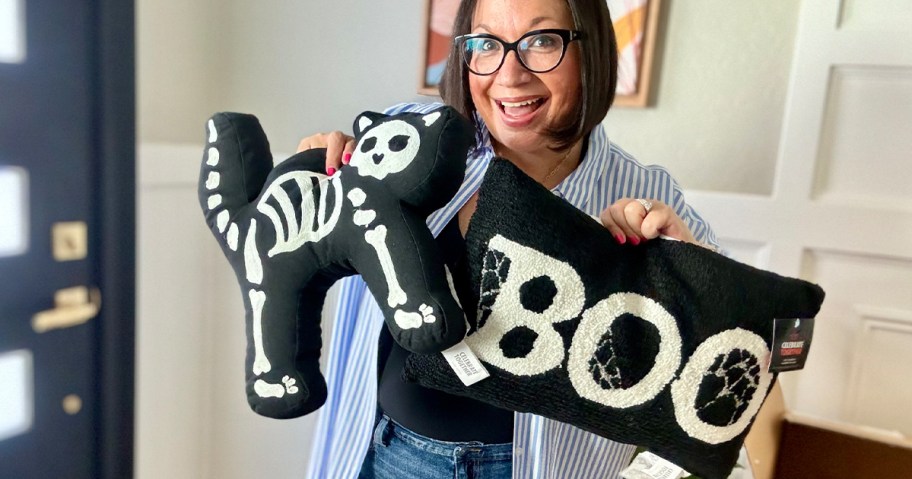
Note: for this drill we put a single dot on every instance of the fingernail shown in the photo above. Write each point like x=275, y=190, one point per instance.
x=346, y=158
x=330, y=171
x=620, y=238
x=634, y=240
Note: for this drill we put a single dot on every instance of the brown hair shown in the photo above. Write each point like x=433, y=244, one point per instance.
x=598, y=69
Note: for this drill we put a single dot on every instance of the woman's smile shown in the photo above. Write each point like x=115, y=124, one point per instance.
x=519, y=112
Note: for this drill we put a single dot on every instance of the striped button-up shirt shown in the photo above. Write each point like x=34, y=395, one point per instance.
x=542, y=448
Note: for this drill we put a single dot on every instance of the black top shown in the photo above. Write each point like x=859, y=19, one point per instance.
x=429, y=412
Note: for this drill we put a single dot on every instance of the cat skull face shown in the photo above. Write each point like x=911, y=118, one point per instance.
x=386, y=149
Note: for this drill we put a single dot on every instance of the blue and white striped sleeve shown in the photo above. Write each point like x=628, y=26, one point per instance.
x=697, y=225
x=412, y=108
x=635, y=180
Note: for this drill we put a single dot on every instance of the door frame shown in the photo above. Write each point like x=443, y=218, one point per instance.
x=115, y=233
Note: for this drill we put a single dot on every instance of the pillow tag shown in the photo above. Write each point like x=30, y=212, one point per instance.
x=791, y=344
x=465, y=364
x=649, y=466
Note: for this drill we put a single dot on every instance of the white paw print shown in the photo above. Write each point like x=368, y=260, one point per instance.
x=427, y=313
x=289, y=383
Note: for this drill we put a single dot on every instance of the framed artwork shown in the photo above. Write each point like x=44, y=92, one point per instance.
x=438, y=37
x=636, y=24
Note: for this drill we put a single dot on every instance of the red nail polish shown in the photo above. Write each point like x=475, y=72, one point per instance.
x=330, y=171
x=635, y=240
x=620, y=238
x=346, y=158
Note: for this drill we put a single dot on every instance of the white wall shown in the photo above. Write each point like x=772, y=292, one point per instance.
x=720, y=95
x=308, y=67
x=173, y=328
x=178, y=64
x=302, y=67
x=305, y=67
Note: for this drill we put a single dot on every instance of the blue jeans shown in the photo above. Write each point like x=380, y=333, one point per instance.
x=398, y=453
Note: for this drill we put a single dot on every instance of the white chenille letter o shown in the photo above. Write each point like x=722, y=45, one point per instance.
x=685, y=389
x=596, y=322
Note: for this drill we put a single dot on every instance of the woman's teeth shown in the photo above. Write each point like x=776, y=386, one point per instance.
x=520, y=108
x=517, y=104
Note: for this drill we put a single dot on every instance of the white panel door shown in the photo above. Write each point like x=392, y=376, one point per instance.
x=841, y=211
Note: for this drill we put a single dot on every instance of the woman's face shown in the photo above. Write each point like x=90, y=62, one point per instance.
x=518, y=106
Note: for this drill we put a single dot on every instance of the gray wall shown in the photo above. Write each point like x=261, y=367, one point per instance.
x=307, y=67
x=720, y=96
x=302, y=67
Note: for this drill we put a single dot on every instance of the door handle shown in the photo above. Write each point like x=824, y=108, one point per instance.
x=74, y=306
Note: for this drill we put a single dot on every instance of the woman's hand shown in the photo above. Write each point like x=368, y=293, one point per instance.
x=636, y=221
x=339, y=148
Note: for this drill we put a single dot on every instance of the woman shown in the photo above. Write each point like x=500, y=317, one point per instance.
x=537, y=77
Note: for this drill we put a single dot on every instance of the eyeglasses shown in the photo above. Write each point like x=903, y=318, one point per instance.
x=539, y=51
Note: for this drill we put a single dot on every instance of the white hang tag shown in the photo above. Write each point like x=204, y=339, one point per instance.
x=465, y=364
x=649, y=466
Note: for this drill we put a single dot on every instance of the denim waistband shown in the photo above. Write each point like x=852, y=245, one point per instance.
x=471, y=449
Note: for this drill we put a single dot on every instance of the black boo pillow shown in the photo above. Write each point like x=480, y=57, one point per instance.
x=662, y=345
x=291, y=231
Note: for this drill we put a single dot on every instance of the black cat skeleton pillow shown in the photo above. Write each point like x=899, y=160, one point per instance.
x=291, y=231
x=663, y=345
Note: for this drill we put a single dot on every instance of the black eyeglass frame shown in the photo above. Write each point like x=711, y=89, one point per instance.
x=567, y=37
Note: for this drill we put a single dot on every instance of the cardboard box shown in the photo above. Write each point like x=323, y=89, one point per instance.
x=785, y=445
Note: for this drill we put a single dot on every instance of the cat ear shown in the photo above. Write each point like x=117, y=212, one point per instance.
x=430, y=118
x=365, y=120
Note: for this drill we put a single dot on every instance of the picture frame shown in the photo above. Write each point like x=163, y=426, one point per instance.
x=439, y=16
x=636, y=24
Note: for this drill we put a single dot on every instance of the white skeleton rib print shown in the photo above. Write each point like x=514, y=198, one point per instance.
x=306, y=231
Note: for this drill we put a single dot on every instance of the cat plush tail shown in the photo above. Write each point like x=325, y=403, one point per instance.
x=285, y=382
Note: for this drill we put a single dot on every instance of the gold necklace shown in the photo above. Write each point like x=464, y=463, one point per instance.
x=555, y=167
